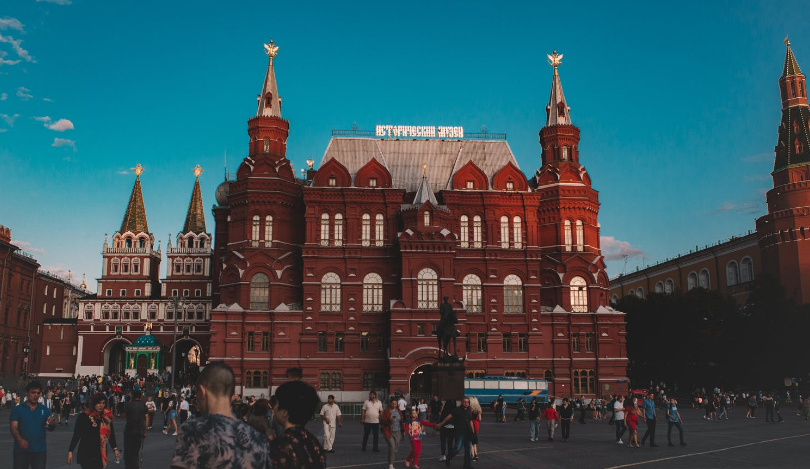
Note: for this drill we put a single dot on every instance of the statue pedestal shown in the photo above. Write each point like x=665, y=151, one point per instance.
x=449, y=377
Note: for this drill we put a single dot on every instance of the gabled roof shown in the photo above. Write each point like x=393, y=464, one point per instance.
x=425, y=193
x=404, y=158
x=135, y=216
x=195, y=218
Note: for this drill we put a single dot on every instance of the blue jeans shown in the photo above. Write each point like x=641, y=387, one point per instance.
x=24, y=460
x=620, y=429
x=671, y=424
x=461, y=442
x=534, y=429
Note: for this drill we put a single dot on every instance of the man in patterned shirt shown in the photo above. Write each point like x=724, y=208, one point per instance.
x=296, y=448
x=217, y=440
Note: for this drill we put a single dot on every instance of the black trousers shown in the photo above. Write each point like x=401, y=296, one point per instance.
x=581, y=414
x=369, y=428
x=446, y=440
x=769, y=413
x=650, y=432
x=132, y=451
x=565, y=426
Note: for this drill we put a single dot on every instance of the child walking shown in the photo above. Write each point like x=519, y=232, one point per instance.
x=415, y=429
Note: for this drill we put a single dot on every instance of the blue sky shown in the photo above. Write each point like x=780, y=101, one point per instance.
x=678, y=104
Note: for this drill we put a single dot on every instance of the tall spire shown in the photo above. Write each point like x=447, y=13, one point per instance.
x=269, y=101
x=557, y=111
x=195, y=218
x=791, y=66
x=425, y=193
x=135, y=216
x=793, y=145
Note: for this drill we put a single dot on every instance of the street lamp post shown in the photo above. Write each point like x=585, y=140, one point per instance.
x=26, y=351
x=178, y=303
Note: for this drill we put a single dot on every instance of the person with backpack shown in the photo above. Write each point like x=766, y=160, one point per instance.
x=674, y=420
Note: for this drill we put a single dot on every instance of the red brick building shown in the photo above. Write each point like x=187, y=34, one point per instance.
x=18, y=272
x=341, y=273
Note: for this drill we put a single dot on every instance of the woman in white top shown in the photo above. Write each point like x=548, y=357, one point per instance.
x=422, y=407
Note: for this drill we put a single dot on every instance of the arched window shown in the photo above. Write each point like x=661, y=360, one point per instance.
x=105, y=312
x=669, y=286
x=567, y=235
x=732, y=274
x=178, y=267
x=632, y=292
x=116, y=265
x=548, y=376
x=512, y=294
x=471, y=286
x=427, y=217
x=477, y=241
x=116, y=312
x=136, y=266
x=188, y=266
x=255, y=231
x=200, y=312
x=659, y=287
x=373, y=293
x=691, y=281
x=464, y=231
x=580, y=236
x=614, y=299
x=365, y=230
x=267, y=141
x=198, y=266
x=579, y=295
x=746, y=270
x=517, y=232
x=125, y=266
x=704, y=279
x=379, y=234
x=338, y=229
x=640, y=292
x=427, y=289
x=260, y=292
x=268, y=231
x=330, y=292
x=325, y=229
x=505, y=232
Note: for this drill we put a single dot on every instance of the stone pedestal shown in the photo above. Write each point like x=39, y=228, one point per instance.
x=449, y=378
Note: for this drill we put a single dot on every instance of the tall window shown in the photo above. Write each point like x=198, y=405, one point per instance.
x=372, y=293
x=669, y=286
x=268, y=231
x=659, y=287
x=331, y=381
x=523, y=342
x=427, y=217
x=505, y=232
x=330, y=292
x=136, y=267
x=325, y=229
x=704, y=279
x=464, y=228
x=251, y=341
x=575, y=342
x=265, y=341
x=512, y=294
x=691, y=281
x=322, y=341
x=583, y=382
x=338, y=229
x=379, y=234
x=254, y=236
x=365, y=346
x=732, y=274
x=260, y=292
x=517, y=231
x=579, y=295
x=506, y=340
x=116, y=265
x=477, y=241
x=471, y=286
x=580, y=236
x=365, y=230
x=125, y=266
x=746, y=270
x=589, y=342
x=427, y=289
x=339, y=341
x=567, y=234
x=481, y=342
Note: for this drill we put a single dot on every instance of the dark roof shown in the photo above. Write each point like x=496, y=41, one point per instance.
x=195, y=218
x=135, y=216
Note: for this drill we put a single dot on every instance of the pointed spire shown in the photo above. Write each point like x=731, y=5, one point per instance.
x=425, y=193
x=269, y=101
x=135, y=216
x=195, y=218
x=791, y=66
x=557, y=111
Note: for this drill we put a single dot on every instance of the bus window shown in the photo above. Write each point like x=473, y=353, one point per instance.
x=477, y=384
x=542, y=385
x=521, y=385
x=532, y=384
x=491, y=384
x=507, y=385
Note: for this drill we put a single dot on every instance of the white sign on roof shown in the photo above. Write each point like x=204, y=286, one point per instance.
x=420, y=131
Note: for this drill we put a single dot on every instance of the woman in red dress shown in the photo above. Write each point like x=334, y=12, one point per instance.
x=631, y=420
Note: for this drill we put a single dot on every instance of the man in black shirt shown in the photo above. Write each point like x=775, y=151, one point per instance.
x=566, y=415
x=462, y=421
x=435, y=409
x=135, y=430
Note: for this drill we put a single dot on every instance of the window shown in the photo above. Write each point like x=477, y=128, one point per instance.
x=268, y=231
x=198, y=292
x=517, y=231
x=507, y=343
x=567, y=235
x=426, y=215
x=136, y=267
x=691, y=281
x=332, y=181
x=116, y=313
x=257, y=379
x=368, y=381
x=152, y=313
x=512, y=294
x=365, y=230
x=105, y=312
x=481, y=342
x=45, y=308
x=548, y=375
x=46, y=290
x=124, y=266
x=372, y=293
x=477, y=243
x=123, y=292
x=420, y=330
x=510, y=185
x=589, y=342
x=330, y=292
x=178, y=267
x=380, y=342
x=331, y=381
x=579, y=295
x=338, y=229
x=88, y=313
x=137, y=292
x=515, y=373
x=174, y=292
x=265, y=341
x=427, y=289
x=325, y=229
x=523, y=343
x=669, y=286
x=659, y=287
x=198, y=266
x=583, y=382
x=746, y=270
x=322, y=341
x=339, y=341
x=255, y=232
x=116, y=266
x=471, y=286
x=640, y=292
x=505, y=232
x=188, y=264
x=704, y=279
x=470, y=185
x=580, y=236
x=464, y=228
x=575, y=342
x=614, y=299
x=379, y=234
x=250, y=341
x=267, y=145
x=125, y=313
x=365, y=346
x=372, y=182
x=260, y=292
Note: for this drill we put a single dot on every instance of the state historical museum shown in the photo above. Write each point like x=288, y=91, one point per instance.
x=341, y=272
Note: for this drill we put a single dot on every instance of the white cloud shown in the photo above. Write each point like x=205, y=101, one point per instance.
x=47, y=100
x=614, y=249
x=746, y=207
x=3, y=61
x=60, y=270
x=64, y=142
x=11, y=23
x=124, y=172
x=3, y=130
x=9, y=118
x=3, y=96
x=57, y=2
x=60, y=126
x=15, y=44
x=24, y=93
x=27, y=247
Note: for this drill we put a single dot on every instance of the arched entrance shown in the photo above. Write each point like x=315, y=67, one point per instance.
x=421, y=385
x=143, y=364
x=116, y=358
x=187, y=361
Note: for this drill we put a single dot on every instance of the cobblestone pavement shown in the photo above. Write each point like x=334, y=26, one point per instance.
x=734, y=443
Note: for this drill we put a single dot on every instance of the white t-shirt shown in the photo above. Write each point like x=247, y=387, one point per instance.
x=184, y=405
x=422, y=407
x=332, y=412
x=402, y=404
x=618, y=411
x=373, y=411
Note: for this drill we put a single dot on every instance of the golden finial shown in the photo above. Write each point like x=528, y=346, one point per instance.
x=138, y=169
x=424, y=170
x=555, y=59
x=310, y=163
x=271, y=50
x=786, y=41
x=198, y=170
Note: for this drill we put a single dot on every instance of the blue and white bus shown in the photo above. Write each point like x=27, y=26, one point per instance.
x=487, y=389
